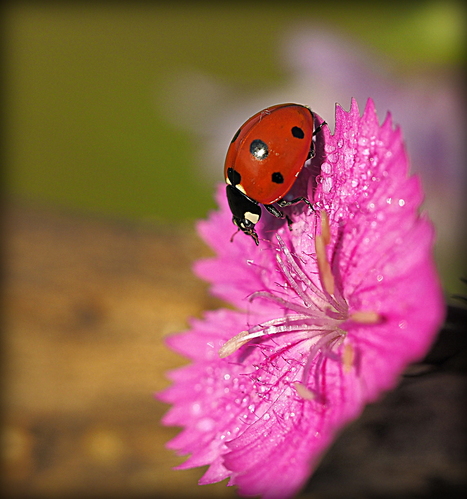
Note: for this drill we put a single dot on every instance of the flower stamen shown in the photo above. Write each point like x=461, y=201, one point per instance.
x=325, y=229
x=316, y=316
x=234, y=344
x=324, y=267
x=365, y=317
x=304, y=392
x=348, y=357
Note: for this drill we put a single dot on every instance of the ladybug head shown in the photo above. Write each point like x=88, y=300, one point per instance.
x=246, y=212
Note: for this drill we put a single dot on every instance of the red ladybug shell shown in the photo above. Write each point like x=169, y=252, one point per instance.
x=269, y=151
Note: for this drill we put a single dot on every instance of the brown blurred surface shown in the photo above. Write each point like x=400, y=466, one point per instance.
x=87, y=304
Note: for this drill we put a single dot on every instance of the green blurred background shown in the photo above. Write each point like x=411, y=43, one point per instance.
x=84, y=130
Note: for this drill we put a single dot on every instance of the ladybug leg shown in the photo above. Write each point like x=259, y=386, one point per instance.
x=316, y=131
x=274, y=211
x=283, y=203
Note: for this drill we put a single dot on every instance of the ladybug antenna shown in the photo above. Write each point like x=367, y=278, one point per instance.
x=234, y=234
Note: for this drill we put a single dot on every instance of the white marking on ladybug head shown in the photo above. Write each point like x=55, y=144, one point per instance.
x=227, y=180
x=252, y=217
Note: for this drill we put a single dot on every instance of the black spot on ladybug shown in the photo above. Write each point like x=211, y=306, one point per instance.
x=297, y=132
x=277, y=178
x=234, y=177
x=259, y=149
x=234, y=138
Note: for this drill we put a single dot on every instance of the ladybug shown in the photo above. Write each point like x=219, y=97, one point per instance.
x=263, y=160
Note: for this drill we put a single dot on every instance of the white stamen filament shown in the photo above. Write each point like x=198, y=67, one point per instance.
x=326, y=340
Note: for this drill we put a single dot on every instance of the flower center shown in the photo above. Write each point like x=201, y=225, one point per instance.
x=316, y=318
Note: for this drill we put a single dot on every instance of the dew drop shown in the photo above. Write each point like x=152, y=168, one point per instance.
x=226, y=377
x=401, y=202
x=379, y=277
x=205, y=424
x=362, y=141
x=327, y=184
x=340, y=143
x=326, y=168
x=402, y=324
x=196, y=408
x=266, y=416
x=380, y=216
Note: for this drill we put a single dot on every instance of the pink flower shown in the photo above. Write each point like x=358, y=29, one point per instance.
x=328, y=315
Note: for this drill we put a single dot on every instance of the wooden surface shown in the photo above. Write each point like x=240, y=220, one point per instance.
x=86, y=306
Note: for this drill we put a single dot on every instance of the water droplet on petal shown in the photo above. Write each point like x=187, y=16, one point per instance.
x=362, y=141
x=205, y=424
x=326, y=168
x=327, y=184
x=196, y=408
